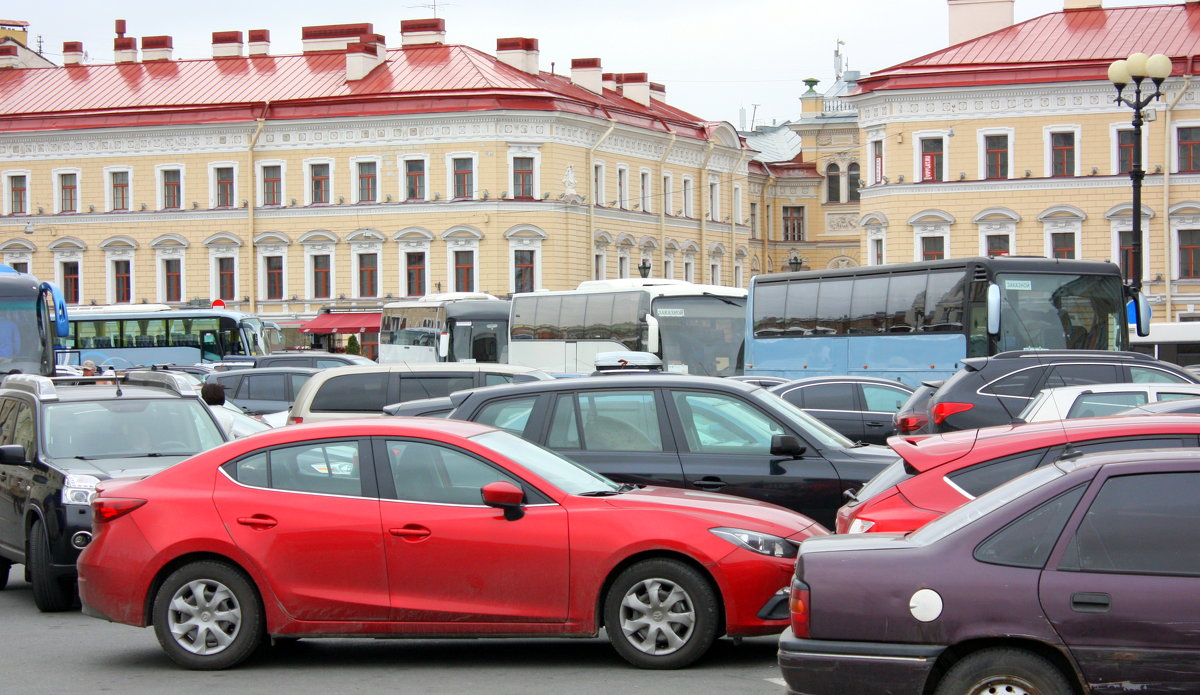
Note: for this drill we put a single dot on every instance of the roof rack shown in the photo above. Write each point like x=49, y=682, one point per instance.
x=46, y=388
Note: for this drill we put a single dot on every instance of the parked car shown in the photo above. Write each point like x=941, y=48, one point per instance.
x=59, y=438
x=1186, y=406
x=266, y=390
x=913, y=416
x=363, y=391
x=860, y=407
x=1079, y=577
x=313, y=359
x=994, y=390
x=237, y=424
x=759, y=380
x=422, y=407
x=938, y=473
x=1066, y=402
x=483, y=535
x=694, y=432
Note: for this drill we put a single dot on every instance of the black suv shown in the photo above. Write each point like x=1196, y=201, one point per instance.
x=59, y=438
x=993, y=390
x=693, y=432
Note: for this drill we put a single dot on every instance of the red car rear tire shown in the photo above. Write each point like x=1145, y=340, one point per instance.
x=208, y=616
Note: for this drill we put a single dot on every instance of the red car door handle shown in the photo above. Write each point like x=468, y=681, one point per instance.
x=257, y=521
x=411, y=531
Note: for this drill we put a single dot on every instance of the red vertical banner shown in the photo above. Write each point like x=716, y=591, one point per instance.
x=878, y=168
x=928, y=167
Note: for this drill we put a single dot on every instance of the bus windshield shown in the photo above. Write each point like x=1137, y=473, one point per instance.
x=422, y=337
x=21, y=335
x=701, y=334
x=1048, y=312
x=478, y=340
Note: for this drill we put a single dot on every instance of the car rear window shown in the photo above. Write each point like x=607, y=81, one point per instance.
x=981, y=477
x=894, y=474
x=351, y=393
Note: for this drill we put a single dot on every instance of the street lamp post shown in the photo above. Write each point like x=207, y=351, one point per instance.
x=795, y=263
x=1136, y=68
x=644, y=268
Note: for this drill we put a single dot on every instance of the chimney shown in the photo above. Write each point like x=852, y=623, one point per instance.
x=520, y=53
x=1082, y=5
x=333, y=37
x=609, y=81
x=72, y=53
x=362, y=57
x=422, y=32
x=8, y=56
x=227, y=44
x=585, y=72
x=260, y=42
x=156, y=48
x=970, y=19
x=635, y=86
x=658, y=91
x=125, y=49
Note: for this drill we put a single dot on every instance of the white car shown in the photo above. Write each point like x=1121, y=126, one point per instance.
x=1093, y=400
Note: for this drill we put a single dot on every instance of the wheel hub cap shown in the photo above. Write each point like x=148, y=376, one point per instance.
x=204, y=616
x=657, y=616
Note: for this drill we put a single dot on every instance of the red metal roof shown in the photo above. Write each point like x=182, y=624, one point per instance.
x=1062, y=46
x=414, y=79
x=345, y=322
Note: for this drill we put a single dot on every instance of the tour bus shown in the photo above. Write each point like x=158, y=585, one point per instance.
x=128, y=335
x=1176, y=342
x=693, y=329
x=31, y=312
x=916, y=321
x=445, y=327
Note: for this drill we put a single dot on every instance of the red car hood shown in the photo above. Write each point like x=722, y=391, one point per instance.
x=722, y=510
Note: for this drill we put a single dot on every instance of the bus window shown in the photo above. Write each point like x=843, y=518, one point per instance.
x=572, y=316
x=833, y=306
x=801, y=316
x=546, y=318
x=944, y=302
x=868, y=306
x=768, y=309
x=906, y=302
x=626, y=319
x=599, y=316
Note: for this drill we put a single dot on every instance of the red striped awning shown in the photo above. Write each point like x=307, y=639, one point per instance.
x=348, y=322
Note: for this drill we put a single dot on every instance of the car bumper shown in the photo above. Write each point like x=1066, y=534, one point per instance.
x=825, y=667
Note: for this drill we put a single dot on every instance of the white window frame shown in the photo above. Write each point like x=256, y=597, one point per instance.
x=669, y=265
x=529, y=152
x=689, y=196
x=266, y=250
x=1124, y=223
x=877, y=152
x=623, y=186
x=379, y=192
x=475, y=174
x=111, y=256
x=600, y=262
x=108, y=198
x=623, y=264
x=160, y=200
x=1061, y=225
x=308, y=165
x=981, y=137
x=668, y=193
x=8, y=177
x=739, y=271
x=1175, y=126
x=714, y=198
x=409, y=245
x=162, y=254
x=943, y=135
x=356, y=262
x=56, y=187
x=259, y=188
x=212, y=183
x=737, y=205
x=224, y=250
x=1048, y=147
x=921, y=230
x=1114, y=160
x=714, y=271
x=319, y=246
x=70, y=254
x=462, y=243
x=402, y=163
x=645, y=189
x=524, y=243
x=689, y=267
x=599, y=172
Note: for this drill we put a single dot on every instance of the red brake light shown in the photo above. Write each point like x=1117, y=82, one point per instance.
x=798, y=607
x=295, y=420
x=109, y=508
x=941, y=411
x=909, y=423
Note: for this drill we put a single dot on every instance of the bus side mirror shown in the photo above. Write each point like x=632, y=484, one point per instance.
x=993, y=309
x=652, y=334
x=443, y=344
x=1141, y=307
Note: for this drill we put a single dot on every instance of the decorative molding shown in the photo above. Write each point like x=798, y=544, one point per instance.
x=841, y=222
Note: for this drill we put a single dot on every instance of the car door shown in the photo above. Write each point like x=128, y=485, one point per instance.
x=835, y=403
x=308, y=516
x=622, y=433
x=262, y=393
x=15, y=480
x=1123, y=586
x=880, y=403
x=455, y=561
x=725, y=446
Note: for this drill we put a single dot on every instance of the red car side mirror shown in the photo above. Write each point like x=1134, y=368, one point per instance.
x=504, y=495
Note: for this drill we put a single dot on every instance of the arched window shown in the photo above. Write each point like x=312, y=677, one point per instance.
x=833, y=184
x=852, y=183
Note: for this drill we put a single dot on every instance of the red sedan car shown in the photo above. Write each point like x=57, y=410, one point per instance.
x=399, y=527
x=938, y=473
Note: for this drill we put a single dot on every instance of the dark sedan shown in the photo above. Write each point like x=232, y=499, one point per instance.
x=266, y=390
x=695, y=432
x=860, y=407
x=1078, y=577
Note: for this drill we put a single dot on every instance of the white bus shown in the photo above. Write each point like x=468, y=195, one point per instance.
x=1173, y=342
x=444, y=327
x=693, y=329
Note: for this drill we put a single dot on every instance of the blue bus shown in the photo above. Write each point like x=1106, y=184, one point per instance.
x=31, y=312
x=916, y=321
x=129, y=335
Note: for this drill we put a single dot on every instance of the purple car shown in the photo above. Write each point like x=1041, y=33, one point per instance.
x=1078, y=577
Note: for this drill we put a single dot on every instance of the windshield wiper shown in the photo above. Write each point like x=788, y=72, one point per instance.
x=623, y=487
x=727, y=300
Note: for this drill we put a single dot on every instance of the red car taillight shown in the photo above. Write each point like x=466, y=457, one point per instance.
x=941, y=411
x=109, y=508
x=295, y=420
x=798, y=607
x=909, y=423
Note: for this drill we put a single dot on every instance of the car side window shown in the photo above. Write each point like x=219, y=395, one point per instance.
x=327, y=468
x=1021, y=383
x=303, y=362
x=1082, y=374
x=322, y=363
x=490, y=379
x=1147, y=375
x=883, y=399
x=1128, y=510
x=1097, y=404
x=510, y=414
x=1128, y=443
x=263, y=387
x=8, y=407
x=829, y=397
x=251, y=470
x=619, y=420
x=564, y=427
x=351, y=393
x=414, y=387
x=298, y=380
x=715, y=423
x=24, y=430
x=1028, y=540
x=978, y=479
x=423, y=472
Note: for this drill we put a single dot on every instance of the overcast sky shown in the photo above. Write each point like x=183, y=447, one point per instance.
x=715, y=57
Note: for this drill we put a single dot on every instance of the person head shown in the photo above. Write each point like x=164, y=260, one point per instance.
x=213, y=393
x=89, y=368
